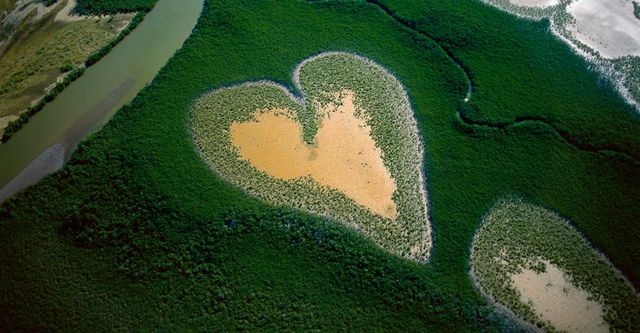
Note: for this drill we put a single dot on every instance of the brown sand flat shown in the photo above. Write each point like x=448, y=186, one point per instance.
x=555, y=299
x=344, y=156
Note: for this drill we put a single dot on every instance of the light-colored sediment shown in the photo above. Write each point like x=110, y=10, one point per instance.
x=46, y=47
x=535, y=3
x=64, y=15
x=344, y=157
x=328, y=83
x=609, y=27
x=555, y=299
x=4, y=122
x=603, y=32
x=23, y=8
x=533, y=264
x=47, y=162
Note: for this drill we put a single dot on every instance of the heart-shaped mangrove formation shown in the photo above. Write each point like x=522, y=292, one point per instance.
x=348, y=149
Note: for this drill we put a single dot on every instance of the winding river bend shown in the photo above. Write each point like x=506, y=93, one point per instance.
x=47, y=141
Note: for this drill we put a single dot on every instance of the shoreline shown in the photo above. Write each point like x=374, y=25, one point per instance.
x=605, y=67
x=48, y=162
x=57, y=155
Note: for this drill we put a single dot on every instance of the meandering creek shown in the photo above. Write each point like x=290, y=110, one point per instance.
x=47, y=141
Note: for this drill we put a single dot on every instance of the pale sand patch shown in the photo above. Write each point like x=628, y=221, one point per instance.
x=344, y=157
x=22, y=8
x=4, y=122
x=64, y=15
x=608, y=27
x=535, y=3
x=47, y=162
x=555, y=299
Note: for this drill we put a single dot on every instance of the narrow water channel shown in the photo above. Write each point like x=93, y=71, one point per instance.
x=46, y=142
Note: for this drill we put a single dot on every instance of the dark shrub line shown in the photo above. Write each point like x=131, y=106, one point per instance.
x=609, y=149
x=15, y=125
x=107, y=48
x=102, y=7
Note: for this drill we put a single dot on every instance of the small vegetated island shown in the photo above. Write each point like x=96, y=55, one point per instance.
x=348, y=148
x=534, y=263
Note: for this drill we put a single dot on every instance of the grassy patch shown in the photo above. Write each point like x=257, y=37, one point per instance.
x=6, y=6
x=516, y=236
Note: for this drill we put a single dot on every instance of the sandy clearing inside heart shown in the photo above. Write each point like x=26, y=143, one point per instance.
x=373, y=182
x=344, y=157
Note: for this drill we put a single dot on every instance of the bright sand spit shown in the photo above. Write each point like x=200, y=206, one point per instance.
x=344, y=156
x=556, y=300
x=608, y=27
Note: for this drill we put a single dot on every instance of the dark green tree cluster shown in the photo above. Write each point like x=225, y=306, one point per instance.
x=107, y=48
x=102, y=7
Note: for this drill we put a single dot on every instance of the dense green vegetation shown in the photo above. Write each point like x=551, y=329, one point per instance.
x=636, y=9
x=516, y=75
x=321, y=81
x=516, y=235
x=136, y=232
x=101, y=7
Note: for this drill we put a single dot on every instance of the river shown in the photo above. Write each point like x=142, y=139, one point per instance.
x=46, y=142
